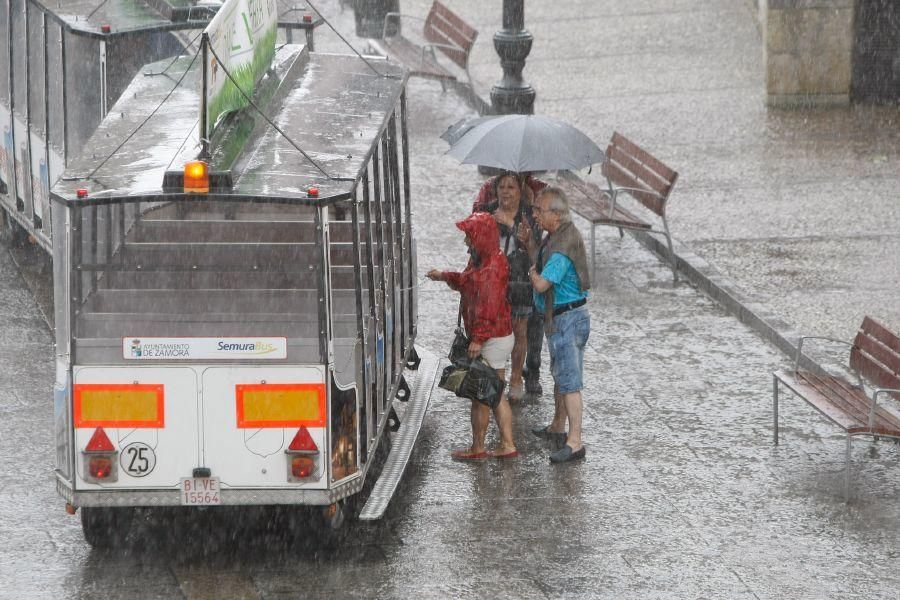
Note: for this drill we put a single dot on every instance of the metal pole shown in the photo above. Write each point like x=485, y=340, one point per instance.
x=204, y=137
x=511, y=95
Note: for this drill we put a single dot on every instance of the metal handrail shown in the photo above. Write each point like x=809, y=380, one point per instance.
x=829, y=339
x=614, y=192
x=875, y=402
x=431, y=47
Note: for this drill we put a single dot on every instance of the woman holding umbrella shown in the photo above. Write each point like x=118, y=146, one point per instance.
x=515, y=221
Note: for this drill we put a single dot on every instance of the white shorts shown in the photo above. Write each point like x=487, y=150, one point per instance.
x=496, y=351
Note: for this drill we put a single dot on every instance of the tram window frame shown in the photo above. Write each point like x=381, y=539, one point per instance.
x=390, y=300
x=381, y=314
x=361, y=280
x=36, y=70
x=56, y=74
x=18, y=37
x=4, y=53
x=370, y=318
x=83, y=89
x=343, y=294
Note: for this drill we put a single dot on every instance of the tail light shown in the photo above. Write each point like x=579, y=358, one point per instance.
x=302, y=457
x=100, y=459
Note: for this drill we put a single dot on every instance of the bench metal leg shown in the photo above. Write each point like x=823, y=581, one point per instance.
x=621, y=233
x=671, y=250
x=775, y=409
x=847, y=471
x=593, y=252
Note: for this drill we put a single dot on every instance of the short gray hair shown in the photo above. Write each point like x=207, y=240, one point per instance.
x=558, y=202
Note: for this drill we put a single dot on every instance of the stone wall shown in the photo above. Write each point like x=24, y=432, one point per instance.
x=808, y=51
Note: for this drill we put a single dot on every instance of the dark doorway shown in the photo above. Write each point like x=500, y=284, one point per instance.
x=876, y=52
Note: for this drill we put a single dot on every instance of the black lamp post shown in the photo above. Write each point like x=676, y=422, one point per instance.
x=511, y=95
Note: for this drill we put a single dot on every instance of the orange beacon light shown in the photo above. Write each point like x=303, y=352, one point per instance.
x=196, y=177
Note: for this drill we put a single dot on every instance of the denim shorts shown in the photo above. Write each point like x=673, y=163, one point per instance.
x=566, y=346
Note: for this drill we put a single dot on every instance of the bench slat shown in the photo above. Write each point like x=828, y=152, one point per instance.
x=436, y=33
x=853, y=400
x=645, y=157
x=442, y=26
x=642, y=173
x=844, y=404
x=592, y=203
x=884, y=419
x=870, y=348
x=811, y=395
x=878, y=341
x=848, y=399
x=882, y=334
x=469, y=32
x=623, y=178
x=875, y=357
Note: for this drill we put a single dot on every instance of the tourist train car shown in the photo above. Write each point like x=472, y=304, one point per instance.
x=63, y=64
x=236, y=331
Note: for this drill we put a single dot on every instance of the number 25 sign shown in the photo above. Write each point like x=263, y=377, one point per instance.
x=138, y=459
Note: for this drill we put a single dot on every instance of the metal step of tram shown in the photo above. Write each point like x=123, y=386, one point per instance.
x=404, y=440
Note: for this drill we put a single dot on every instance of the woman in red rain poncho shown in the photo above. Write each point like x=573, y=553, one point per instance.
x=486, y=314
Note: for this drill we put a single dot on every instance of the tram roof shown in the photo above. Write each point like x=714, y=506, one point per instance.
x=128, y=16
x=332, y=106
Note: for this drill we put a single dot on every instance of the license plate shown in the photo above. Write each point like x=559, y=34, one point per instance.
x=200, y=491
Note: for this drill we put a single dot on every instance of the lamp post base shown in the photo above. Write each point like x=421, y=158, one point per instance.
x=517, y=100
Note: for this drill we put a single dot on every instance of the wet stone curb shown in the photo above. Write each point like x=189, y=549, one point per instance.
x=753, y=313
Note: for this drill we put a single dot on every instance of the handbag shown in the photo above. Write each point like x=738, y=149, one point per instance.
x=459, y=349
x=476, y=381
x=520, y=290
x=473, y=379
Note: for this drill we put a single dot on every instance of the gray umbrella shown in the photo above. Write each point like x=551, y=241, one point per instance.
x=523, y=143
x=461, y=127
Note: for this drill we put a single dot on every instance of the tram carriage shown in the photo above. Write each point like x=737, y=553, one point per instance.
x=63, y=64
x=237, y=335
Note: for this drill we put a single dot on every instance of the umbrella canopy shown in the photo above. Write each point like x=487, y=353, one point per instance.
x=522, y=143
x=462, y=127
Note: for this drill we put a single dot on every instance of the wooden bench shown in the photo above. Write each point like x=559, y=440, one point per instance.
x=875, y=357
x=443, y=30
x=630, y=169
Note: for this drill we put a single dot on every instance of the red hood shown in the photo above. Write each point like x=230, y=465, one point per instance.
x=482, y=230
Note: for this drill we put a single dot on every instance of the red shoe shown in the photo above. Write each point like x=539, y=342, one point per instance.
x=466, y=455
x=507, y=455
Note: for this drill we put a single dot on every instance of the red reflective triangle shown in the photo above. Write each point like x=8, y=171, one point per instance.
x=99, y=442
x=303, y=442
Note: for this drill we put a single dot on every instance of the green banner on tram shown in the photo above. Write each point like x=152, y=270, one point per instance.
x=242, y=37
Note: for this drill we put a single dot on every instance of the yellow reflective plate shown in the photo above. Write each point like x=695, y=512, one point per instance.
x=280, y=405
x=119, y=405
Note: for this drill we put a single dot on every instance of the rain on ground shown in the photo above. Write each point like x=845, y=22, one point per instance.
x=683, y=494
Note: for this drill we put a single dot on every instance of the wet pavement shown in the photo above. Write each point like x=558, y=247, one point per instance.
x=797, y=208
x=682, y=494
